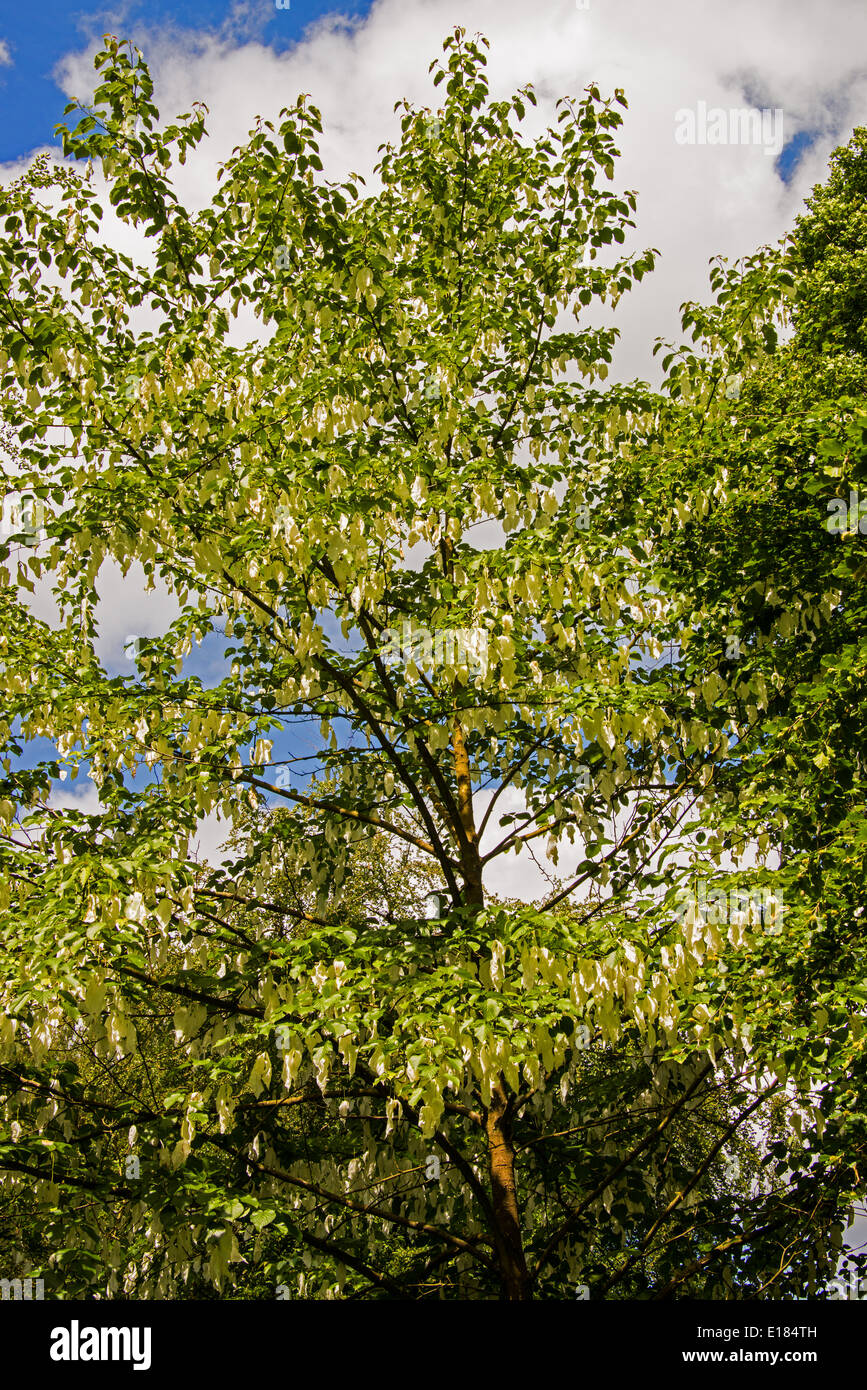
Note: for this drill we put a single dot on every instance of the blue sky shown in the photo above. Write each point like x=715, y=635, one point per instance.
x=37, y=37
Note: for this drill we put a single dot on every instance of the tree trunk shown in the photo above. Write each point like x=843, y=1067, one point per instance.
x=471, y=867
x=504, y=1195
x=498, y=1129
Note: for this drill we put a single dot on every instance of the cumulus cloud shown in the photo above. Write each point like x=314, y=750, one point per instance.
x=694, y=201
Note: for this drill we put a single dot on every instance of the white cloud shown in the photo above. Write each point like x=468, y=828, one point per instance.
x=694, y=201
x=526, y=875
x=207, y=845
x=127, y=609
x=81, y=795
x=5, y=55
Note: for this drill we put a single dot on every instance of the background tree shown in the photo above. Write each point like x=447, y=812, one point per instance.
x=767, y=441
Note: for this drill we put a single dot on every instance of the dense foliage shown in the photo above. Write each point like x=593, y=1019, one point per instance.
x=280, y=1077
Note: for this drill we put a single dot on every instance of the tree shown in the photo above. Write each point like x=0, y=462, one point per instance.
x=780, y=609
x=521, y=1099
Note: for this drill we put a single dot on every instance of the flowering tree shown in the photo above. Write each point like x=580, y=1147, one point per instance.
x=491, y=1099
